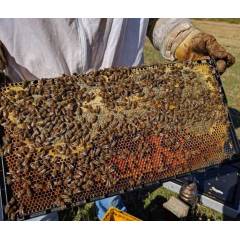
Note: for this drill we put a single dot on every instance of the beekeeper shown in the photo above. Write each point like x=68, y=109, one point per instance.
x=46, y=48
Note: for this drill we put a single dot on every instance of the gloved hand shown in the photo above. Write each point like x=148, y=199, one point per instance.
x=3, y=61
x=198, y=45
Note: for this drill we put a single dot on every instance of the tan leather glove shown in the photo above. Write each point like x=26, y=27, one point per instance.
x=198, y=45
x=3, y=61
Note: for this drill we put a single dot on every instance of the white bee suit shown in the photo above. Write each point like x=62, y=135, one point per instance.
x=43, y=48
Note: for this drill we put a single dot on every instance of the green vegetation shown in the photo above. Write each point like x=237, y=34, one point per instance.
x=228, y=20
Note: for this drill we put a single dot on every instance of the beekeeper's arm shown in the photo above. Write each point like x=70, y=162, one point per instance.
x=178, y=39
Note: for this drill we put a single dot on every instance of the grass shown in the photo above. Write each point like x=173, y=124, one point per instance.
x=227, y=20
x=147, y=204
x=86, y=212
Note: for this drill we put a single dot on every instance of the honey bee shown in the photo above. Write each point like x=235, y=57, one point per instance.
x=62, y=168
x=94, y=119
x=60, y=203
x=7, y=208
x=38, y=186
x=29, y=192
x=12, y=216
x=108, y=183
x=8, y=180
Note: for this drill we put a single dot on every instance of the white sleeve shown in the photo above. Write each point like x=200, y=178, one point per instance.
x=168, y=33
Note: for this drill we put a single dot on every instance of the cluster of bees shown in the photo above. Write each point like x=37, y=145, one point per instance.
x=61, y=134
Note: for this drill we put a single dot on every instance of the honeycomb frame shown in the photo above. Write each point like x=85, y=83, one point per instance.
x=169, y=154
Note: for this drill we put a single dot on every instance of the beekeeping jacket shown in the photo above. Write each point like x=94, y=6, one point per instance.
x=45, y=48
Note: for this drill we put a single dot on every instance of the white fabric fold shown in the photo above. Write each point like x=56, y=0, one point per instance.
x=45, y=48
